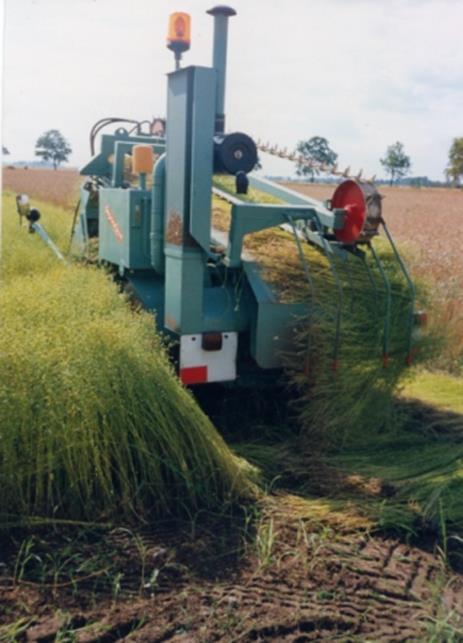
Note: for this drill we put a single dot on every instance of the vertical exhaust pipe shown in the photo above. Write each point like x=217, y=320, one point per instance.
x=221, y=13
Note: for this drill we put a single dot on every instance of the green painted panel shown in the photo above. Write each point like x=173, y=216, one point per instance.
x=273, y=323
x=184, y=290
x=202, y=147
x=124, y=227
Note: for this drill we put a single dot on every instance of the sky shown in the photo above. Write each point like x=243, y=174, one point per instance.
x=362, y=73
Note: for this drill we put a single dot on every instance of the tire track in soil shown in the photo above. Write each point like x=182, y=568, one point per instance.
x=377, y=588
x=347, y=588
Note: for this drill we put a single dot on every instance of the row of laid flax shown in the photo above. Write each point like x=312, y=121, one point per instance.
x=344, y=387
x=349, y=416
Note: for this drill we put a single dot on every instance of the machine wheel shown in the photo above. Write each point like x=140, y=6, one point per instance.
x=363, y=204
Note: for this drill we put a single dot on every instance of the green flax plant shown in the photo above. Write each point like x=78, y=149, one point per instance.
x=94, y=424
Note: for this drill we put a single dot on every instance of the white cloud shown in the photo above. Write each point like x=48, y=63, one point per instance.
x=364, y=74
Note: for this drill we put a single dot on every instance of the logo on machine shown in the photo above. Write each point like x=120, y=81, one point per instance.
x=113, y=223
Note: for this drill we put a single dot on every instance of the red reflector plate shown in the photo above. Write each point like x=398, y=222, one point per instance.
x=194, y=375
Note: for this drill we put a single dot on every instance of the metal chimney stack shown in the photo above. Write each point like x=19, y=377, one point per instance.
x=221, y=13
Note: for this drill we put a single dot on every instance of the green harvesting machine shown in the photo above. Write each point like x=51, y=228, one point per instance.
x=155, y=228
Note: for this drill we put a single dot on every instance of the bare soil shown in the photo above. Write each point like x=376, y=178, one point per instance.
x=296, y=579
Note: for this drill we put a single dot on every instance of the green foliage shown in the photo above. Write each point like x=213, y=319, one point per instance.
x=24, y=254
x=265, y=541
x=94, y=423
x=315, y=149
x=396, y=163
x=423, y=471
x=419, y=182
x=454, y=170
x=226, y=183
x=352, y=426
x=345, y=388
x=16, y=630
x=52, y=146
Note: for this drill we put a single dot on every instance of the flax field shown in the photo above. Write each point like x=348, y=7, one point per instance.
x=94, y=423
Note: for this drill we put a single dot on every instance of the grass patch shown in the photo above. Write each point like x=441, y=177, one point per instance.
x=24, y=254
x=422, y=462
x=439, y=389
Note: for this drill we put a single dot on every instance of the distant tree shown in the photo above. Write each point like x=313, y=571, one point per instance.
x=315, y=149
x=52, y=146
x=419, y=181
x=396, y=163
x=5, y=151
x=454, y=170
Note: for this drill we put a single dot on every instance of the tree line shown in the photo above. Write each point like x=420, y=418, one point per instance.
x=52, y=146
x=396, y=162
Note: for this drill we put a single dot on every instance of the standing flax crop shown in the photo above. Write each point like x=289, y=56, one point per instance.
x=93, y=422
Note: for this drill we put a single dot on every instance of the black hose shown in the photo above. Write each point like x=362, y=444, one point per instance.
x=109, y=120
x=138, y=125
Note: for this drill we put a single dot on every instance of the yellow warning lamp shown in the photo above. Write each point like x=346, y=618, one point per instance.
x=142, y=162
x=179, y=35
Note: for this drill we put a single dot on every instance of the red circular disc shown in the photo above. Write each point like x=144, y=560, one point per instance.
x=349, y=196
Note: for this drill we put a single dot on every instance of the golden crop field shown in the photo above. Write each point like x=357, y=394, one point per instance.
x=429, y=220
x=59, y=187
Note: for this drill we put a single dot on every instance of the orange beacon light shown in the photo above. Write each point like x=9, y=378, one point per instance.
x=179, y=35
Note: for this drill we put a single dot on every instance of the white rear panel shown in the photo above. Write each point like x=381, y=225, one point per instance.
x=198, y=366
